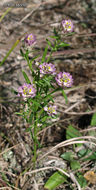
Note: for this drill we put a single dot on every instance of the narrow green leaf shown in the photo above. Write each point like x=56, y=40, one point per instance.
x=55, y=180
x=70, y=34
x=9, y=52
x=34, y=58
x=54, y=37
x=81, y=180
x=65, y=96
x=44, y=119
x=49, y=43
x=93, y=120
x=31, y=117
x=71, y=132
x=55, y=32
x=91, y=157
x=35, y=105
x=17, y=113
x=5, y=13
x=26, y=56
x=29, y=128
x=47, y=82
x=63, y=45
x=26, y=77
x=14, y=91
x=22, y=53
x=83, y=152
x=44, y=54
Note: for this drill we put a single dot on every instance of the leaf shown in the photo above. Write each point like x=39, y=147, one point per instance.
x=65, y=96
x=70, y=34
x=34, y=58
x=5, y=13
x=35, y=105
x=55, y=32
x=31, y=117
x=55, y=180
x=62, y=44
x=83, y=152
x=81, y=180
x=75, y=165
x=29, y=128
x=71, y=132
x=9, y=52
x=54, y=37
x=44, y=54
x=44, y=119
x=17, y=113
x=67, y=156
x=22, y=53
x=26, y=77
x=93, y=120
x=49, y=43
x=14, y=91
x=91, y=157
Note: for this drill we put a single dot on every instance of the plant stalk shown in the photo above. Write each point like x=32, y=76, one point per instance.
x=35, y=141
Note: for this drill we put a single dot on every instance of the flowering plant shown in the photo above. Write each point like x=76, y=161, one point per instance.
x=26, y=91
x=37, y=95
x=67, y=25
x=30, y=39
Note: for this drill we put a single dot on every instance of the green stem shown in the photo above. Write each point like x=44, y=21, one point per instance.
x=52, y=92
x=35, y=140
x=50, y=56
x=31, y=133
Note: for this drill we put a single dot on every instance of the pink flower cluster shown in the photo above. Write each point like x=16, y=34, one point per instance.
x=26, y=91
x=64, y=79
x=47, y=68
x=30, y=39
x=51, y=110
x=67, y=25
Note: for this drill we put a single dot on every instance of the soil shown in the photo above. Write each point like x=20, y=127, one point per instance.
x=40, y=17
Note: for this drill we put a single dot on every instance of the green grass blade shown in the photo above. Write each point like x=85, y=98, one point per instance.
x=26, y=77
x=44, y=54
x=9, y=52
x=5, y=13
x=65, y=97
x=93, y=120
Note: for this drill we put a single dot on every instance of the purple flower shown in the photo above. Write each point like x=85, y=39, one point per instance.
x=51, y=110
x=26, y=91
x=67, y=25
x=64, y=79
x=30, y=39
x=47, y=68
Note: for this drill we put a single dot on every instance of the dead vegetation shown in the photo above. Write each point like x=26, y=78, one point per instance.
x=40, y=17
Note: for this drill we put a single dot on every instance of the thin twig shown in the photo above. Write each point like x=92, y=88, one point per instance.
x=69, y=142
x=46, y=168
x=80, y=113
x=10, y=148
x=74, y=180
x=89, y=129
